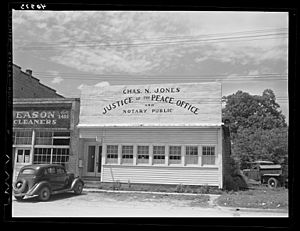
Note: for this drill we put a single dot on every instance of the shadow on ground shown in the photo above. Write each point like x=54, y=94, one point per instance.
x=55, y=197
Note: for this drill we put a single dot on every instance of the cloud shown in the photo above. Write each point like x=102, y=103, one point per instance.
x=81, y=86
x=57, y=80
x=102, y=84
x=95, y=32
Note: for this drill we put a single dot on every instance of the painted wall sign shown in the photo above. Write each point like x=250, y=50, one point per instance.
x=43, y=118
x=192, y=103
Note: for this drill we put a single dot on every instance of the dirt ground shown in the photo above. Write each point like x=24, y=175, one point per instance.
x=100, y=204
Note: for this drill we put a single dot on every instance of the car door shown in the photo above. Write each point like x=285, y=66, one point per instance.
x=61, y=178
x=51, y=173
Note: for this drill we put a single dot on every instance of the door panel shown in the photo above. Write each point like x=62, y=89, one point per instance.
x=93, y=157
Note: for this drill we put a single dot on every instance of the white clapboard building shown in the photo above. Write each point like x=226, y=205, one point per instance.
x=152, y=134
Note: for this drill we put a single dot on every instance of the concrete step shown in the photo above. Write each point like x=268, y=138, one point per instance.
x=91, y=183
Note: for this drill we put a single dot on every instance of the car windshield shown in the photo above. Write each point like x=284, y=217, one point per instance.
x=28, y=171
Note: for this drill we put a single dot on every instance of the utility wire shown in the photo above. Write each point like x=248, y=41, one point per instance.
x=172, y=37
x=184, y=42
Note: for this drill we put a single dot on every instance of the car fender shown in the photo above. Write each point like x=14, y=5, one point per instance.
x=36, y=189
x=75, y=182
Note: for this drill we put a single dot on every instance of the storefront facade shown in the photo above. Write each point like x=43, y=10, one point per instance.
x=44, y=131
x=152, y=134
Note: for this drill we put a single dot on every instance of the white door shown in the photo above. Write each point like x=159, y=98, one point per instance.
x=93, y=157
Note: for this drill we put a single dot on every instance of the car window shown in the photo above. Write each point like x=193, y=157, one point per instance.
x=52, y=170
x=60, y=171
x=28, y=171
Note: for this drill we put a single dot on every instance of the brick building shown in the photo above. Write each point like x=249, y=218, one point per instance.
x=44, y=124
x=27, y=86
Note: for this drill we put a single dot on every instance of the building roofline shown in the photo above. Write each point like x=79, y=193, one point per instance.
x=31, y=76
x=217, y=125
x=44, y=100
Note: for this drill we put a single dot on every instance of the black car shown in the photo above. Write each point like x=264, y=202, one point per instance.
x=44, y=180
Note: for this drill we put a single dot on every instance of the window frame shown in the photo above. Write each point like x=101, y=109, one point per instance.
x=214, y=155
x=159, y=154
x=126, y=154
x=138, y=160
x=198, y=156
x=106, y=154
x=174, y=161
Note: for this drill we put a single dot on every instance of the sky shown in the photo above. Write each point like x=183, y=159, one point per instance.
x=66, y=50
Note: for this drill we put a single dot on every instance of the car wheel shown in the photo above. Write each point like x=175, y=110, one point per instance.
x=19, y=198
x=20, y=185
x=272, y=182
x=45, y=194
x=78, y=188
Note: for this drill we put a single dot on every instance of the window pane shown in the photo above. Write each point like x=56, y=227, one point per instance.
x=61, y=141
x=143, y=154
x=208, y=155
x=127, y=154
x=174, y=154
x=158, y=154
x=112, y=154
x=23, y=137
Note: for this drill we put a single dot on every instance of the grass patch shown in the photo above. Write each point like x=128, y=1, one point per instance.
x=261, y=197
x=184, y=200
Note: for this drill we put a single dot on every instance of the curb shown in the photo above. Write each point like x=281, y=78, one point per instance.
x=243, y=209
x=93, y=190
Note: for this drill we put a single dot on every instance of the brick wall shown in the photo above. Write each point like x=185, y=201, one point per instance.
x=27, y=86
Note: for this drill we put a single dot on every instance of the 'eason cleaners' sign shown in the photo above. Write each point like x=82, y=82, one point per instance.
x=41, y=118
x=156, y=104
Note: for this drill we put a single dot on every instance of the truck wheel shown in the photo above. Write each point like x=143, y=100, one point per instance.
x=272, y=182
x=78, y=188
x=44, y=194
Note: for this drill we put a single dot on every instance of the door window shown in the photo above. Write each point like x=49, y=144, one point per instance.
x=23, y=156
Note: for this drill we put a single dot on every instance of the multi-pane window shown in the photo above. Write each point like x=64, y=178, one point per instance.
x=208, y=155
x=51, y=156
x=52, y=138
x=174, y=154
x=60, y=156
x=43, y=138
x=42, y=156
x=23, y=156
x=61, y=138
x=143, y=154
x=158, y=154
x=127, y=154
x=191, y=155
x=112, y=154
x=22, y=137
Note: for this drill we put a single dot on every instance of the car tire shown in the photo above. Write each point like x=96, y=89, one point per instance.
x=44, y=194
x=20, y=188
x=272, y=182
x=19, y=198
x=78, y=188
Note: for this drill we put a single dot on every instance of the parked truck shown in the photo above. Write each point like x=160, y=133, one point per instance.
x=264, y=172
